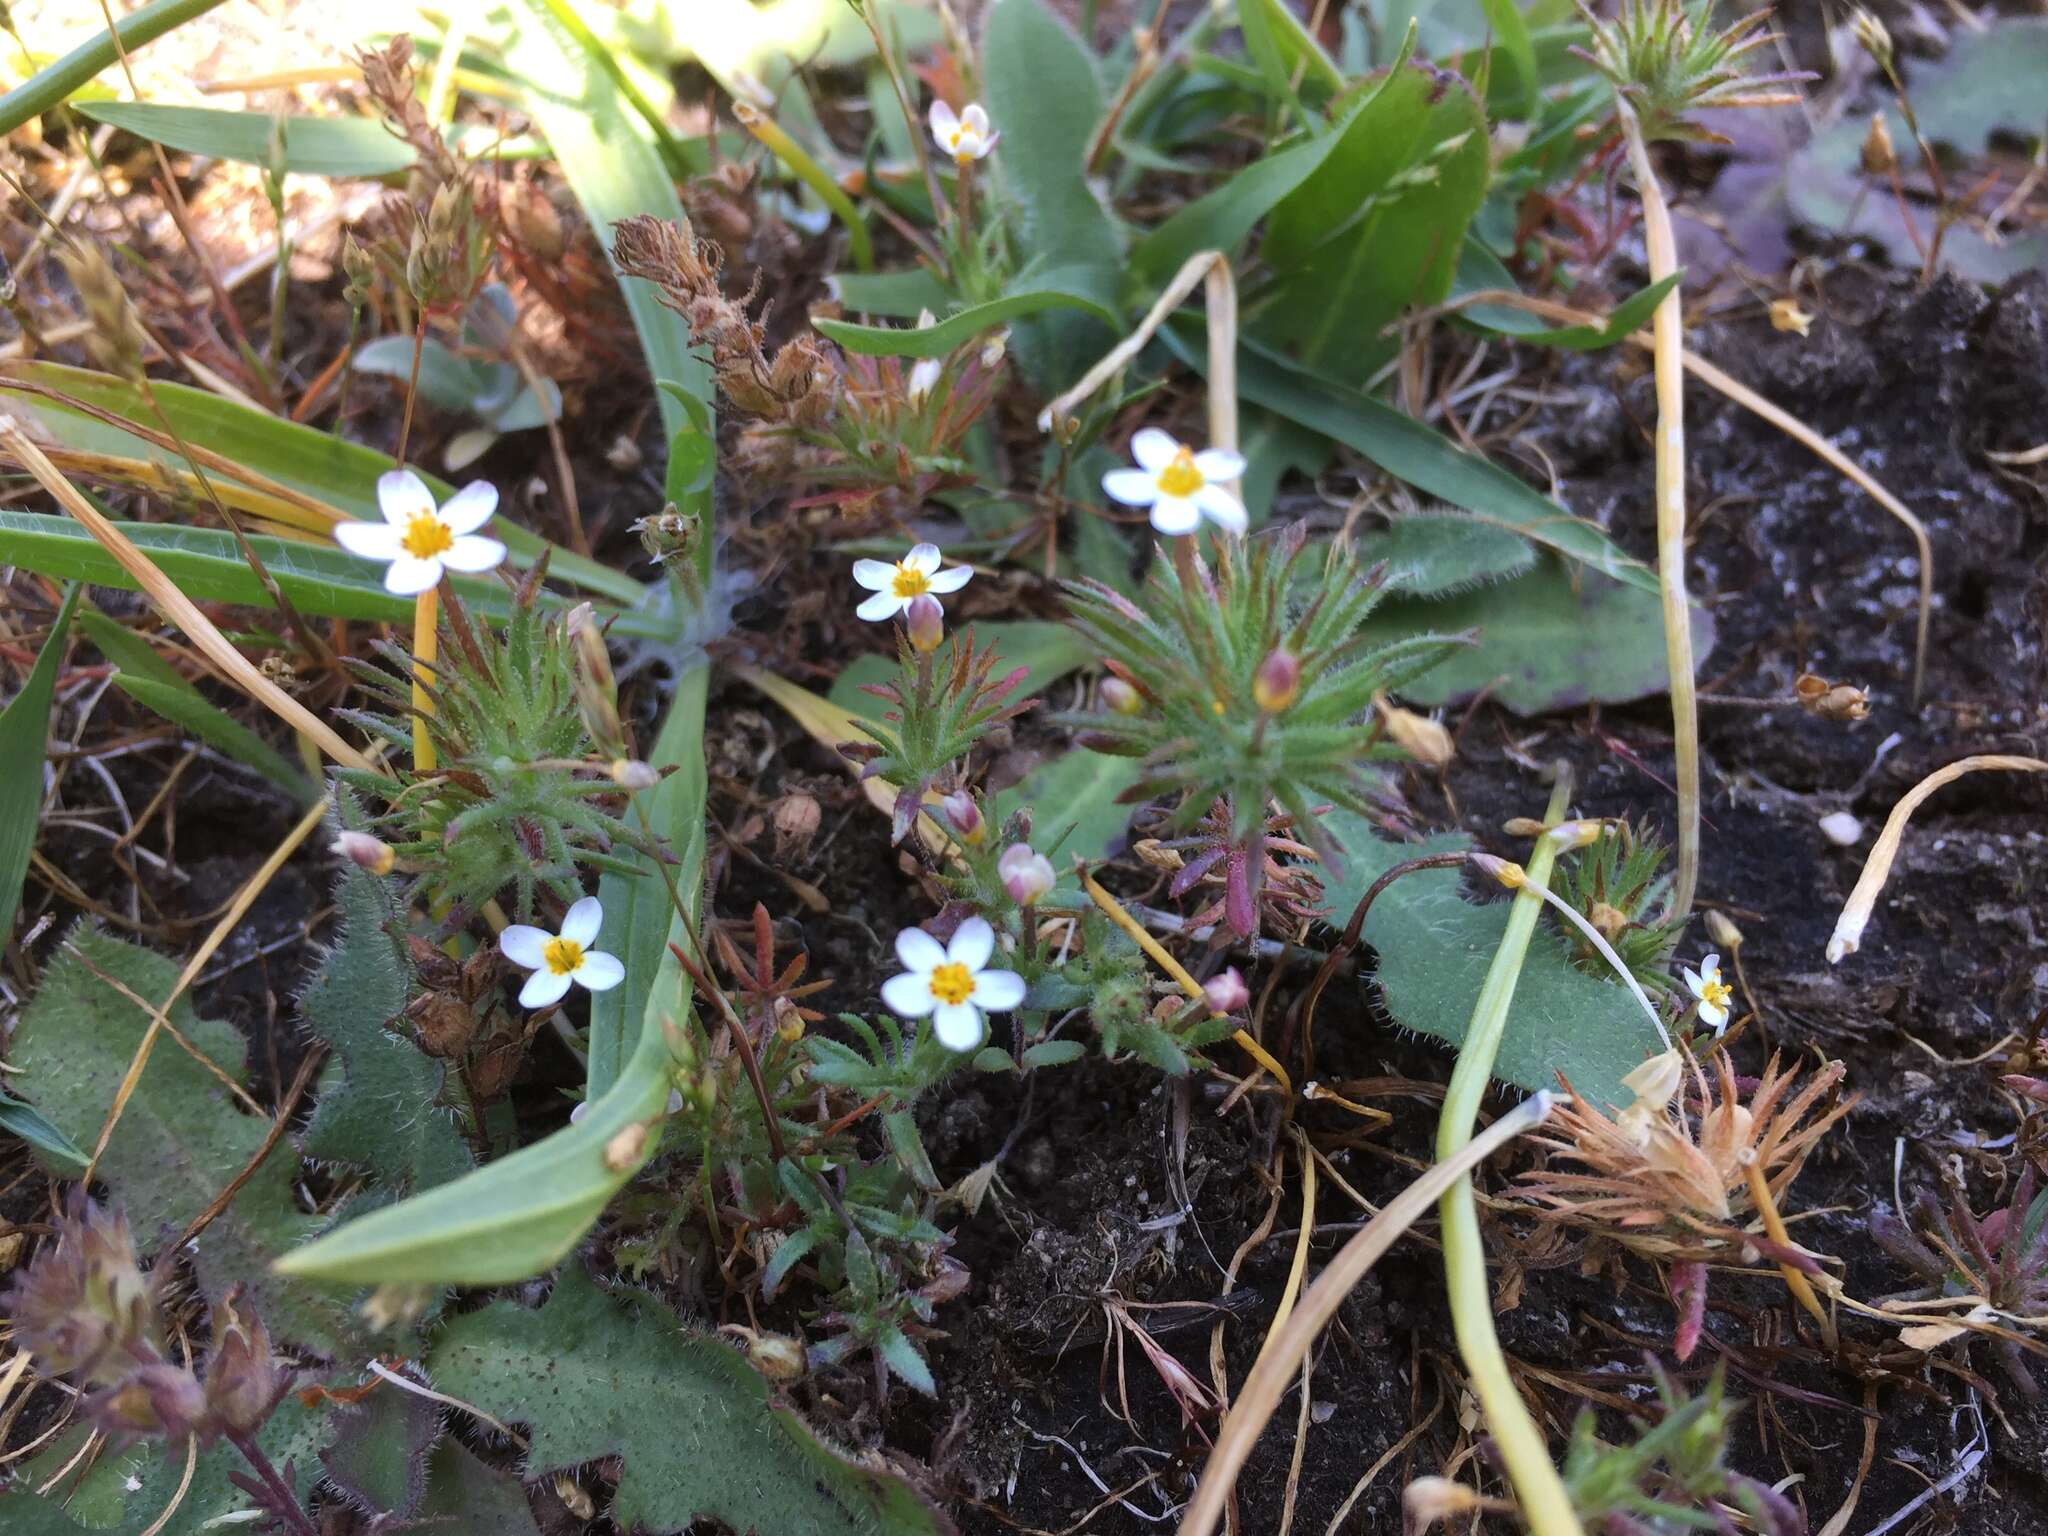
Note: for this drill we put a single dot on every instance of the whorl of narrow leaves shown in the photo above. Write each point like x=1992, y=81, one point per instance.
x=1211, y=723
x=1666, y=60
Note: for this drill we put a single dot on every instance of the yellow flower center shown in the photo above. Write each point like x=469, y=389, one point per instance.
x=564, y=956
x=1180, y=477
x=426, y=536
x=1714, y=992
x=910, y=582
x=952, y=982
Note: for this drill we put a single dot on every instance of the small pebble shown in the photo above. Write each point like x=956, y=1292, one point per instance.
x=1841, y=829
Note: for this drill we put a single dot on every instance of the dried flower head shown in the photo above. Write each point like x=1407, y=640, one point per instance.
x=113, y=337
x=83, y=1306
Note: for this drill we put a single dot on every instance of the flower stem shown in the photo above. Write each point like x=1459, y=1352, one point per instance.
x=1546, y=1506
x=1774, y=1228
x=1668, y=357
x=426, y=642
x=283, y=1502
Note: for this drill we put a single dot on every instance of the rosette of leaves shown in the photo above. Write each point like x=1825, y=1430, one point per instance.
x=1616, y=883
x=1252, y=681
x=520, y=798
x=938, y=709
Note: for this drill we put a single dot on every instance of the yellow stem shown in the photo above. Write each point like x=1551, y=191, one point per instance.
x=1774, y=1228
x=426, y=640
x=1668, y=356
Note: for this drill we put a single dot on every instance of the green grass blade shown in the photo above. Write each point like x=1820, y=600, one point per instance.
x=24, y=732
x=937, y=340
x=1415, y=452
x=48, y=87
x=608, y=155
x=25, y=1121
x=313, y=146
x=319, y=464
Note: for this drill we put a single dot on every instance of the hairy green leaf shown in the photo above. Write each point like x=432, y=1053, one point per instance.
x=1436, y=556
x=1434, y=949
x=598, y=1376
x=939, y=339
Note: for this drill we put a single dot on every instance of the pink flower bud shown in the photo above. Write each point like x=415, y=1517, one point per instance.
x=925, y=621
x=1027, y=876
x=1120, y=696
x=966, y=818
x=1226, y=991
x=365, y=851
x=1277, y=681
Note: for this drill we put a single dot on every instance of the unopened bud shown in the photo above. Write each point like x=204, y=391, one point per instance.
x=1226, y=991
x=965, y=817
x=993, y=349
x=925, y=622
x=243, y=1376
x=632, y=775
x=365, y=852
x=1522, y=826
x=597, y=690
x=360, y=269
x=1722, y=930
x=1873, y=38
x=1506, y=871
x=1878, y=157
x=157, y=1400
x=1420, y=737
x=1567, y=835
x=1277, y=682
x=1786, y=315
x=1610, y=922
x=624, y=1149
x=789, y=1021
x=776, y=1356
x=797, y=819
x=1656, y=1081
x=1119, y=696
x=1025, y=875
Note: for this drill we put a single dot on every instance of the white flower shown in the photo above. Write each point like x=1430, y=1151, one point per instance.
x=1713, y=993
x=915, y=575
x=1180, y=485
x=418, y=540
x=950, y=984
x=558, y=959
x=924, y=373
x=965, y=135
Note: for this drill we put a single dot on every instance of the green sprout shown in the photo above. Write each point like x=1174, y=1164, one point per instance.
x=1614, y=883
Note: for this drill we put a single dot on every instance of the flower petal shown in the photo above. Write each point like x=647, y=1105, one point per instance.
x=908, y=996
x=600, y=972
x=543, y=987
x=582, y=921
x=1715, y=1015
x=373, y=541
x=1711, y=967
x=472, y=553
x=471, y=507
x=943, y=120
x=402, y=496
x=1132, y=487
x=1175, y=514
x=1154, y=449
x=998, y=991
x=1219, y=464
x=923, y=558
x=883, y=605
x=875, y=575
x=988, y=144
x=1693, y=981
x=408, y=576
x=525, y=946
x=974, y=118
x=973, y=942
x=958, y=1026
x=1221, y=508
x=952, y=579
x=919, y=951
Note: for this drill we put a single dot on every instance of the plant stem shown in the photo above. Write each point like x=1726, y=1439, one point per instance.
x=1546, y=1506
x=412, y=385
x=1668, y=356
x=284, y=1503
x=426, y=646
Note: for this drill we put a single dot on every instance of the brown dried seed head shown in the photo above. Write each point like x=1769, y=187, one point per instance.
x=1879, y=157
x=115, y=341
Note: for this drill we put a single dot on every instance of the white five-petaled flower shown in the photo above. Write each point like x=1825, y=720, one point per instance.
x=419, y=540
x=950, y=984
x=556, y=959
x=896, y=586
x=965, y=134
x=1713, y=993
x=1180, y=485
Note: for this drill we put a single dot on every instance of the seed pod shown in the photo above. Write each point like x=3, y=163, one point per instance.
x=1277, y=682
x=1879, y=158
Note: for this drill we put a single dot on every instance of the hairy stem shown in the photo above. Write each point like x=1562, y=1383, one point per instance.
x=1668, y=356
x=1546, y=1506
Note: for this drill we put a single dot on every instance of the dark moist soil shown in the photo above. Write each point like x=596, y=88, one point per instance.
x=1803, y=573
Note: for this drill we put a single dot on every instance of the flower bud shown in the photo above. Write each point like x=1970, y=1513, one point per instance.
x=965, y=817
x=1873, y=38
x=1506, y=871
x=1119, y=696
x=1567, y=835
x=776, y=1356
x=632, y=775
x=1420, y=737
x=1786, y=315
x=83, y=1304
x=1226, y=991
x=156, y=1400
x=361, y=271
x=993, y=349
x=1609, y=921
x=1722, y=930
x=797, y=819
x=597, y=690
x=243, y=1377
x=1657, y=1080
x=1025, y=875
x=1878, y=157
x=1277, y=682
x=365, y=852
x=925, y=622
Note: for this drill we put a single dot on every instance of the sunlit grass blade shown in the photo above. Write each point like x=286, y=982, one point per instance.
x=806, y=169
x=49, y=87
x=24, y=730
x=338, y=475
x=313, y=146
